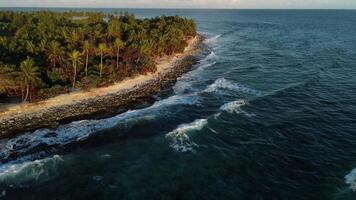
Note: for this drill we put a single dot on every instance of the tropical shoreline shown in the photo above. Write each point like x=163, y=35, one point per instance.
x=100, y=102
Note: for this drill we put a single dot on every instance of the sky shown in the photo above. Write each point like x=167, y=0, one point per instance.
x=233, y=4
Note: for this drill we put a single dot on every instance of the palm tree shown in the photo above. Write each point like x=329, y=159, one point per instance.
x=30, y=47
x=72, y=39
x=118, y=45
x=55, y=53
x=111, y=51
x=74, y=56
x=42, y=45
x=113, y=28
x=4, y=41
x=29, y=75
x=87, y=49
x=101, y=51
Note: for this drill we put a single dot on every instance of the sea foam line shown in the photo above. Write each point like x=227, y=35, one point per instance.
x=81, y=130
x=179, y=138
x=185, y=82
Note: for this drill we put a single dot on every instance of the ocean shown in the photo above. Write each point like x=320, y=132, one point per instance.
x=269, y=112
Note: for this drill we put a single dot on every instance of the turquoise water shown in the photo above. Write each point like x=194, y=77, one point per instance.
x=269, y=112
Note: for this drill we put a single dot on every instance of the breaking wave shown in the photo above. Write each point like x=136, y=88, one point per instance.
x=351, y=180
x=212, y=40
x=222, y=83
x=185, y=82
x=233, y=107
x=19, y=173
x=179, y=139
x=211, y=56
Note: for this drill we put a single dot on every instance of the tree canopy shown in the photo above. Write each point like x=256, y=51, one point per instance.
x=47, y=53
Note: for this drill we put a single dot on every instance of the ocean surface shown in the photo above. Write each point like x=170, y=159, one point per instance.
x=269, y=112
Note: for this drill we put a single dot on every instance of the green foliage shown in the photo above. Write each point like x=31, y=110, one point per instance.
x=29, y=76
x=48, y=51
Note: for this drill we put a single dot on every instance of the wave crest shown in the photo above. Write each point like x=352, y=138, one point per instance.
x=213, y=39
x=184, y=83
x=222, y=83
x=18, y=173
x=233, y=107
x=351, y=180
x=180, y=141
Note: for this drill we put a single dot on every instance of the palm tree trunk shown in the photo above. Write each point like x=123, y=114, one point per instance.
x=27, y=92
x=117, y=60
x=86, y=64
x=74, y=73
x=22, y=93
x=101, y=64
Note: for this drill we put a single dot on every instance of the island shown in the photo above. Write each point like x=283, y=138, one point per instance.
x=67, y=66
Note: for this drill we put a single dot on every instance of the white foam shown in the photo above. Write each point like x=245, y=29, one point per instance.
x=80, y=130
x=233, y=107
x=222, y=83
x=211, y=57
x=212, y=40
x=179, y=138
x=18, y=173
x=351, y=180
x=186, y=81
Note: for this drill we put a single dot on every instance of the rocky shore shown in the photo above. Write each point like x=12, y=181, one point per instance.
x=105, y=105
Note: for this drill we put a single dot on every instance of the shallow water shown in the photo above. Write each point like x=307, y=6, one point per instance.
x=268, y=113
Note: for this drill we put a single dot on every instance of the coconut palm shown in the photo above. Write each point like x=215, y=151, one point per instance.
x=101, y=51
x=87, y=50
x=30, y=47
x=72, y=39
x=118, y=45
x=74, y=56
x=4, y=41
x=55, y=53
x=113, y=28
x=29, y=76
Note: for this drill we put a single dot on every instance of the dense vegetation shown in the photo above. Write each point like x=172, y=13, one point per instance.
x=43, y=54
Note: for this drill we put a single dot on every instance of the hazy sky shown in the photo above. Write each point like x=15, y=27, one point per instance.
x=347, y=4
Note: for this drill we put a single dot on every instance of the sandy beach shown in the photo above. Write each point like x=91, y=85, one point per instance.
x=81, y=104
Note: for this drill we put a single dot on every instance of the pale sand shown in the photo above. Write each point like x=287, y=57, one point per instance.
x=164, y=65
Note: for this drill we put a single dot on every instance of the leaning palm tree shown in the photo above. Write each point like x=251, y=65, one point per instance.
x=55, y=53
x=74, y=56
x=87, y=50
x=101, y=51
x=29, y=76
x=118, y=45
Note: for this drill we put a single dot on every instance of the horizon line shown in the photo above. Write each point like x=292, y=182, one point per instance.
x=178, y=8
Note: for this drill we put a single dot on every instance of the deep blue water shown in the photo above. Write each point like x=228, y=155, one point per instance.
x=268, y=113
